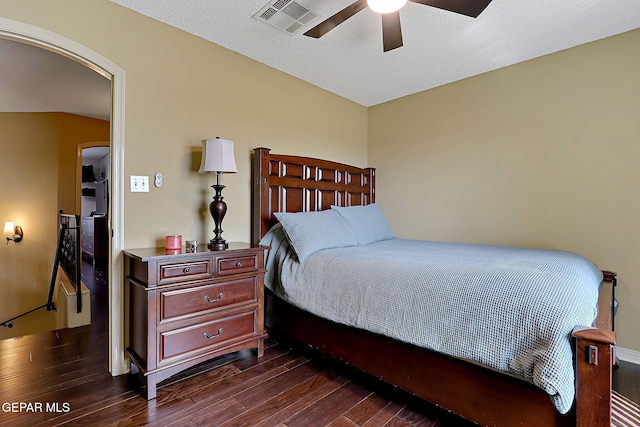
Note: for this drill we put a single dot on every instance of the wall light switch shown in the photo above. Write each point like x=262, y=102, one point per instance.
x=139, y=184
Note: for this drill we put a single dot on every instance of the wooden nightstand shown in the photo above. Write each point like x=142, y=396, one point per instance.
x=186, y=308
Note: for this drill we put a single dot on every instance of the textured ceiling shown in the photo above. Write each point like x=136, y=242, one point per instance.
x=439, y=46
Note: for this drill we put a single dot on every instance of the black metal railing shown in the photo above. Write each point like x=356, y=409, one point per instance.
x=68, y=256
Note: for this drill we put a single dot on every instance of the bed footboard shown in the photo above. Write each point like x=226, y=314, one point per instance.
x=595, y=354
x=595, y=357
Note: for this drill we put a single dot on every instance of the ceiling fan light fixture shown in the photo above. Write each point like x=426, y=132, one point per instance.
x=386, y=6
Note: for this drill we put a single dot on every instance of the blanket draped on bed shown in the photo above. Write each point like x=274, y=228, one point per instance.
x=512, y=309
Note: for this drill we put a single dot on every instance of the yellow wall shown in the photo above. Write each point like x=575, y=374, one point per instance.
x=31, y=177
x=181, y=89
x=28, y=195
x=543, y=153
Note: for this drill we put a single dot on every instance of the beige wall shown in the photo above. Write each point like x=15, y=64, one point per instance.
x=29, y=142
x=543, y=153
x=181, y=89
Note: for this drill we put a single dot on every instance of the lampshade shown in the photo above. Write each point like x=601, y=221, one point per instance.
x=386, y=6
x=8, y=229
x=217, y=156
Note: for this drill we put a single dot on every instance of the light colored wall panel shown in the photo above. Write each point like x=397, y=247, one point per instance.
x=28, y=193
x=543, y=154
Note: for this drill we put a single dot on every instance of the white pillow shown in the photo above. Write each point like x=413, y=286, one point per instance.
x=368, y=223
x=309, y=232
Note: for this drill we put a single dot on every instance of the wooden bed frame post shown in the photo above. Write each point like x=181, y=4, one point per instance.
x=259, y=196
x=595, y=357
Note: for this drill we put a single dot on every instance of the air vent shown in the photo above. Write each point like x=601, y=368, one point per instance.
x=287, y=16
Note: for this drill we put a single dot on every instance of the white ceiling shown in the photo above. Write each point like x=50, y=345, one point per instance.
x=33, y=79
x=439, y=46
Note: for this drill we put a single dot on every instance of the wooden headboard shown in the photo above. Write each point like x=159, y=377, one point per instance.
x=283, y=183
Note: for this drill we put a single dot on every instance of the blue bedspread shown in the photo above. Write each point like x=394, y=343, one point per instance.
x=511, y=309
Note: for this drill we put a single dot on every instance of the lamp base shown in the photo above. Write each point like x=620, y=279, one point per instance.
x=217, y=245
x=218, y=209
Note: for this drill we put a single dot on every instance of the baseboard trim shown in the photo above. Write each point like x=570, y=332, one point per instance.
x=627, y=355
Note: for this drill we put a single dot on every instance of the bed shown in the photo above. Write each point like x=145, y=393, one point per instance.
x=284, y=185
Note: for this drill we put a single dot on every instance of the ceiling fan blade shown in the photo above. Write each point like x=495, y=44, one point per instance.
x=391, y=31
x=329, y=24
x=471, y=8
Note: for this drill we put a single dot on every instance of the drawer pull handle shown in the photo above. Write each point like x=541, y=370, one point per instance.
x=186, y=270
x=207, y=299
x=238, y=264
x=210, y=337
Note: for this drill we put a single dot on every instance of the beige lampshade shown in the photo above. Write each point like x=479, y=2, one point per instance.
x=217, y=156
x=8, y=229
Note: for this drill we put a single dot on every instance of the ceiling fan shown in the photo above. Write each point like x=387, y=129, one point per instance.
x=390, y=12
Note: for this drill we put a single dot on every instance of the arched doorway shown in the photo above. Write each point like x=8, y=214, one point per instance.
x=26, y=33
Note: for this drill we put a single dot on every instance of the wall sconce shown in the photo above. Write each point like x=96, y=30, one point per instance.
x=12, y=232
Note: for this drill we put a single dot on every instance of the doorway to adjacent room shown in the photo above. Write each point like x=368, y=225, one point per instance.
x=34, y=36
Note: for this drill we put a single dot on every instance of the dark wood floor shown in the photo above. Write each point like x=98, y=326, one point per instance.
x=66, y=372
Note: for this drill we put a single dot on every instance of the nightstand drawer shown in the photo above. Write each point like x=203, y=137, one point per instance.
x=206, y=336
x=185, y=271
x=237, y=264
x=196, y=300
